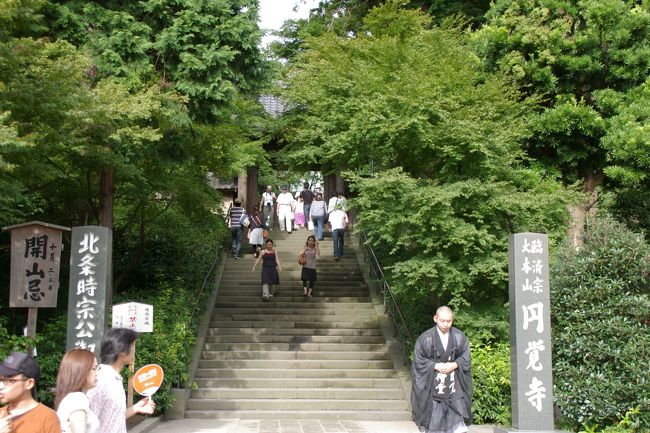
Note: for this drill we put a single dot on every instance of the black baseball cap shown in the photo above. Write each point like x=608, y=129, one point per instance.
x=20, y=363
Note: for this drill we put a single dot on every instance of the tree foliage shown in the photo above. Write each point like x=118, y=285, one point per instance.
x=400, y=94
x=206, y=50
x=600, y=318
x=444, y=139
x=346, y=17
x=583, y=58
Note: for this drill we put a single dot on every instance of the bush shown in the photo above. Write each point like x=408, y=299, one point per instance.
x=171, y=343
x=600, y=317
x=491, y=376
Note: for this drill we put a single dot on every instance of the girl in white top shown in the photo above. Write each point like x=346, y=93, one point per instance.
x=77, y=374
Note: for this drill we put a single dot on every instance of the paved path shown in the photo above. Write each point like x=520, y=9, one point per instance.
x=287, y=426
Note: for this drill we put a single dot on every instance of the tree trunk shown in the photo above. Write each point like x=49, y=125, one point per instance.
x=106, y=193
x=579, y=212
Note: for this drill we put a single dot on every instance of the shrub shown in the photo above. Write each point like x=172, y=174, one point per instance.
x=171, y=343
x=600, y=317
x=491, y=377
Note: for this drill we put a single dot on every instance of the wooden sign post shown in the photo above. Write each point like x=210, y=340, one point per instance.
x=35, y=262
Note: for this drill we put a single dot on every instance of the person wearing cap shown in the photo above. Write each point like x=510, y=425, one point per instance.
x=19, y=373
x=338, y=221
x=285, y=209
x=266, y=207
x=236, y=229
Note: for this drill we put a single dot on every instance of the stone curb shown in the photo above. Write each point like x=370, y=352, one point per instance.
x=146, y=425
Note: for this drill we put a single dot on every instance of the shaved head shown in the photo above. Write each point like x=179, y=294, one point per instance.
x=444, y=309
x=444, y=318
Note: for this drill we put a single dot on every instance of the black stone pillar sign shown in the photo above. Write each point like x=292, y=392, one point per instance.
x=530, y=334
x=90, y=286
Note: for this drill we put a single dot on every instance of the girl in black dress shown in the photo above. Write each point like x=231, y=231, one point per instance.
x=270, y=267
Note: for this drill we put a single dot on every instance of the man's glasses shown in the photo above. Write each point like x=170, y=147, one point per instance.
x=9, y=382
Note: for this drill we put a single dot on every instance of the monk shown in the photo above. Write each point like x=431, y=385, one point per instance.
x=441, y=396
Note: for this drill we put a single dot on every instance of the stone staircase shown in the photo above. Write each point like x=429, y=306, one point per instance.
x=323, y=357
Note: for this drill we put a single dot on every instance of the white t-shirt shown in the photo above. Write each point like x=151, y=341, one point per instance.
x=285, y=199
x=338, y=219
x=73, y=402
x=268, y=198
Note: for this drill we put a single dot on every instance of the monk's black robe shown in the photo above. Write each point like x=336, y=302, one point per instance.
x=441, y=402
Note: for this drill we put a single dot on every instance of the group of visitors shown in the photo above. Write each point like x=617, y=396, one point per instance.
x=306, y=209
x=90, y=398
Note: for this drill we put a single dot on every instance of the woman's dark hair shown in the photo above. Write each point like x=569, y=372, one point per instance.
x=73, y=372
x=268, y=240
x=310, y=237
x=114, y=342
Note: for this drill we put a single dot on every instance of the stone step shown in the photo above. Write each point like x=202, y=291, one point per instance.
x=255, y=278
x=290, y=332
x=282, y=324
x=377, y=355
x=268, y=316
x=290, y=261
x=299, y=302
x=352, y=415
x=295, y=297
x=295, y=373
x=298, y=404
x=306, y=364
x=295, y=293
x=289, y=391
x=294, y=357
x=273, y=309
x=339, y=339
x=298, y=344
x=294, y=289
x=245, y=270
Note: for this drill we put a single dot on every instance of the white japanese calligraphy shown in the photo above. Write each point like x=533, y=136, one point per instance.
x=536, y=393
x=88, y=243
x=534, y=313
x=534, y=347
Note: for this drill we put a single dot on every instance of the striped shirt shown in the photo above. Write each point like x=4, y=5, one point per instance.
x=235, y=215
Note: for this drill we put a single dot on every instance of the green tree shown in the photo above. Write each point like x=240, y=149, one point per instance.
x=345, y=17
x=206, y=50
x=444, y=139
x=569, y=53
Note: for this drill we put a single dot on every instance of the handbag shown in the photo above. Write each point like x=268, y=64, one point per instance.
x=265, y=233
x=302, y=259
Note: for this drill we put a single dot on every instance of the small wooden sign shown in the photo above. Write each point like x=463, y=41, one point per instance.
x=148, y=379
x=35, y=261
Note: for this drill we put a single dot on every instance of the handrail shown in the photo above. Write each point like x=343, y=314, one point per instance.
x=209, y=276
x=391, y=306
